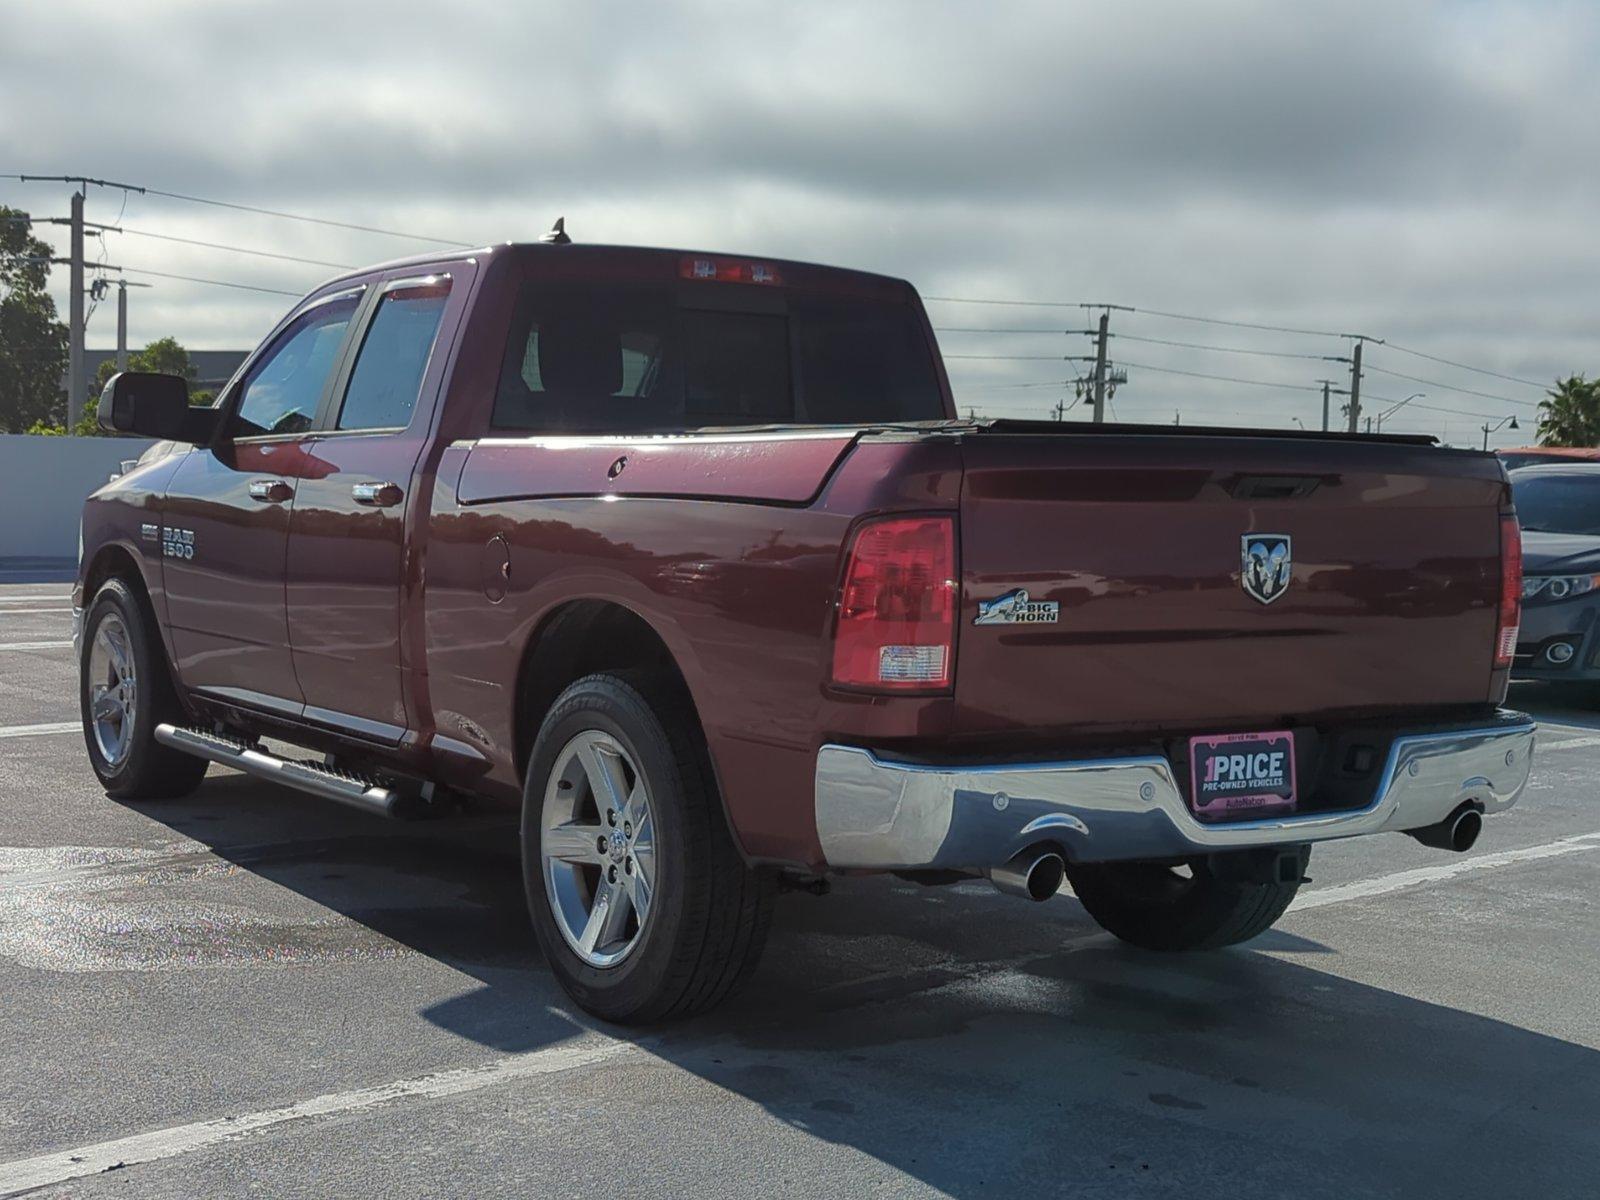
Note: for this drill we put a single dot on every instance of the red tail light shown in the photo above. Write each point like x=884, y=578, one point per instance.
x=897, y=611
x=1505, y=640
x=728, y=270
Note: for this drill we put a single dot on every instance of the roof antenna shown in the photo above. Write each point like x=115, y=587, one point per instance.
x=558, y=234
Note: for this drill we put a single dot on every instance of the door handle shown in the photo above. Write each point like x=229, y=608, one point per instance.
x=377, y=495
x=270, y=491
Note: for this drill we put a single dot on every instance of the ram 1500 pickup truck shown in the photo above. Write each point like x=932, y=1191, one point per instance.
x=688, y=559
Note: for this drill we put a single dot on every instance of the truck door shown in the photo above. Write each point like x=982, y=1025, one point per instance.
x=347, y=534
x=225, y=526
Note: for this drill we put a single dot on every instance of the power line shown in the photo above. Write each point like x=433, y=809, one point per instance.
x=1011, y=357
x=1149, y=312
x=167, y=237
x=1463, y=366
x=250, y=208
x=247, y=287
x=1173, y=316
x=1297, y=387
x=289, y=216
x=1446, y=387
x=1133, y=337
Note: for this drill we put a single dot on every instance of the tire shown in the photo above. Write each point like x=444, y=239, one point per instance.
x=118, y=637
x=1156, y=907
x=707, y=913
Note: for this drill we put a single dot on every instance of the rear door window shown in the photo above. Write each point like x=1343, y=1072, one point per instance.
x=383, y=387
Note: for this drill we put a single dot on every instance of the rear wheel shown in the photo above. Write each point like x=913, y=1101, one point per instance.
x=124, y=692
x=638, y=895
x=1191, y=907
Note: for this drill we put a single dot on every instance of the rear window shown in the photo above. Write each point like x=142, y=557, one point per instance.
x=621, y=359
x=1557, y=503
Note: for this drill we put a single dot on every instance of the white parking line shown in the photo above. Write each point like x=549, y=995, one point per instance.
x=1573, y=743
x=1361, y=889
x=25, y=1174
x=31, y=612
x=49, y=727
x=34, y=645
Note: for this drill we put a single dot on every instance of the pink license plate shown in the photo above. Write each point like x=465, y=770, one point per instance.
x=1236, y=776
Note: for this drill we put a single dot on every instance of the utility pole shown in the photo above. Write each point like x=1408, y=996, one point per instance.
x=76, y=376
x=1355, y=386
x=1100, y=368
x=122, y=325
x=1325, y=384
x=122, y=322
x=75, y=379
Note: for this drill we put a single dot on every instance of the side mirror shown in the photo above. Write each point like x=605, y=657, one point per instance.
x=146, y=404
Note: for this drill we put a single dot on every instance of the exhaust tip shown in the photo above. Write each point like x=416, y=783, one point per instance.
x=1033, y=874
x=1459, y=831
x=1465, y=829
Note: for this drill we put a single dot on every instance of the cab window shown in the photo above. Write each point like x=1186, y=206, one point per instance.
x=282, y=390
x=387, y=378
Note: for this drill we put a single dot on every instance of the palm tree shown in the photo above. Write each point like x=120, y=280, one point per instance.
x=1571, y=415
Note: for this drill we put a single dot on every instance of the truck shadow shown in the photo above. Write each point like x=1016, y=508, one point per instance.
x=957, y=1040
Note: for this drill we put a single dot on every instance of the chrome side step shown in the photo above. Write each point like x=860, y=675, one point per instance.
x=328, y=782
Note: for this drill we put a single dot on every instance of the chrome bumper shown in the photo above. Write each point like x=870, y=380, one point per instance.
x=873, y=813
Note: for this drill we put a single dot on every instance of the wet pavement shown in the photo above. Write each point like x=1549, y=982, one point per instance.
x=255, y=992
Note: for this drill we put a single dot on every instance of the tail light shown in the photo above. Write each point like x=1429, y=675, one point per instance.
x=728, y=270
x=897, y=610
x=1505, y=639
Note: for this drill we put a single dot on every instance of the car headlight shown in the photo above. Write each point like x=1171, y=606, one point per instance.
x=1557, y=587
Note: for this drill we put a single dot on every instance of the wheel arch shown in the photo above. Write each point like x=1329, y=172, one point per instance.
x=582, y=637
x=115, y=560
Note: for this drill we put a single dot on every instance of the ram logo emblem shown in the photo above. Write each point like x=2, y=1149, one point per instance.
x=1266, y=562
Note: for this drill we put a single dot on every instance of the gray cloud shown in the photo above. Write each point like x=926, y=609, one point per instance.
x=1422, y=170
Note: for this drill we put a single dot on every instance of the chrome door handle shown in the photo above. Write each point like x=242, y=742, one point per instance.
x=377, y=495
x=270, y=491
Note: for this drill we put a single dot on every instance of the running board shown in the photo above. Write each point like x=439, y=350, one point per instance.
x=330, y=783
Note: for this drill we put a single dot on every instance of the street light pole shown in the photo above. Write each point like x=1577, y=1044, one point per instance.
x=1389, y=412
x=1503, y=423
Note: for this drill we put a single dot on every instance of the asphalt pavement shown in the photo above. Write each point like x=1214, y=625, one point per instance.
x=253, y=992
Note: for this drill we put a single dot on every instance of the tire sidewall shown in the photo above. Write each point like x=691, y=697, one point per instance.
x=611, y=706
x=115, y=596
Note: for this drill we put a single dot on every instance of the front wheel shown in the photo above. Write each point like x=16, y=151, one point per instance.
x=639, y=897
x=124, y=692
x=1190, y=907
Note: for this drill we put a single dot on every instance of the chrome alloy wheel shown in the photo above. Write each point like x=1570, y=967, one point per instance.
x=598, y=848
x=113, y=690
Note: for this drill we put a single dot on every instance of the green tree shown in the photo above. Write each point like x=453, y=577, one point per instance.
x=166, y=356
x=33, y=344
x=1571, y=414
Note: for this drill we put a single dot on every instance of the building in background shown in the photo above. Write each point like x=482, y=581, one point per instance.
x=213, y=368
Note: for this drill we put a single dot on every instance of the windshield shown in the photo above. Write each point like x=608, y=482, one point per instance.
x=1559, y=503
x=616, y=358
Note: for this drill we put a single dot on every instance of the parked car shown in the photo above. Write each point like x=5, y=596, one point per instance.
x=1529, y=456
x=688, y=559
x=1559, y=508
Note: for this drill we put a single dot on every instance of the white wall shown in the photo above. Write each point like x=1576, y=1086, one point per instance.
x=43, y=481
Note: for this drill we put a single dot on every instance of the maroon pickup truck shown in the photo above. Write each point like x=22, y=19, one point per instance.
x=687, y=558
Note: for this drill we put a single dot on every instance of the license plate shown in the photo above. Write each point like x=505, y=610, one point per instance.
x=1236, y=776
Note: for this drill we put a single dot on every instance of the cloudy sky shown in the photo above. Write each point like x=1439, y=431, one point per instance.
x=1423, y=172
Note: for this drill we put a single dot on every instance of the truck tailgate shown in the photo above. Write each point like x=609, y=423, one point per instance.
x=1389, y=605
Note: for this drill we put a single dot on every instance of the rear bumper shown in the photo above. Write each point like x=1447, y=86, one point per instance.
x=878, y=814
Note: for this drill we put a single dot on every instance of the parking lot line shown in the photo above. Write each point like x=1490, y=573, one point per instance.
x=44, y=730
x=31, y=612
x=1574, y=743
x=26, y=1174
x=1383, y=884
x=35, y=645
